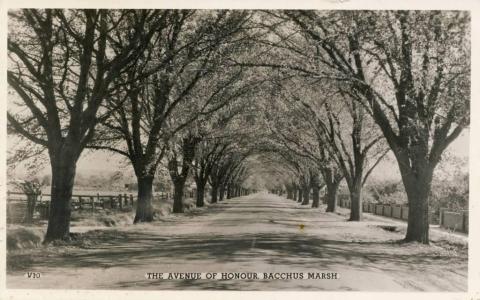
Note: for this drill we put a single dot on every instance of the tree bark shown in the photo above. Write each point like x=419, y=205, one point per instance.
x=214, y=193
x=332, y=189
x=221, y=192
x=200, y=193
x=306, y=195
x=300, y=195
x=315, y=196
x=144, y=212
x=289, y=193
x=356, y=200
x=315, y=184
x=179, y=186
x=417, y=187
x=63, y=178
x=295, y=193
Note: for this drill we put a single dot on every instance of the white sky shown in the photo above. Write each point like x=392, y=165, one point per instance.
x=101, y=162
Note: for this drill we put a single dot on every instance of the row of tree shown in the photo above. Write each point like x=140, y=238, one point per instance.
x=357, y=85
x=151, y=85
x=321, y=95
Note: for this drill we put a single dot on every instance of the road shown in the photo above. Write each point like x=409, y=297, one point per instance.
x=260, y=233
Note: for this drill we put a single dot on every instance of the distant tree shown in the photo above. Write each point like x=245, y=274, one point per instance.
x=33, y=190
x=116, y=178
x=207, y=155
x=46, y=180
x=223, y=171
x=222, y=132
x=351, y=139
x=180, y=161
x=191, y=49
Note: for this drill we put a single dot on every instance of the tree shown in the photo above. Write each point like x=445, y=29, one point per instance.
x=190, y=50
x=207, y=155
x=411, y=71
x=221, y=173
x=348, y=135
x=278, y=151
x=213, y=162
x=221, y=125
x=180, y=170
x=225, y=168
x=32, y=189
x=62, y=65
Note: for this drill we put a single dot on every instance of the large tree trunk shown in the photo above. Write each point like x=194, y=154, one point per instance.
x=417, y=186
x=315, y=196
x=144, y=211
x=300, y=195
x=63, y=177
x=315, y=190
x=294, y=193
x=200, y=193
x=214, y=193
x=418, y=225
x=289, y=193
x=356, y=200
x=179, y=186
x=332, y=189
x=222, y=192
x=306, y=195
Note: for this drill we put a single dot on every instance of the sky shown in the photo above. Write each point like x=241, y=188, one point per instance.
x=101, y=162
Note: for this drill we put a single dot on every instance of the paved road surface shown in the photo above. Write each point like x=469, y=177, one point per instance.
x=259, y=233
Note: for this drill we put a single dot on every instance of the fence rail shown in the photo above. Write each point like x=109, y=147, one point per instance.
x=457, y=221
x=17, y=203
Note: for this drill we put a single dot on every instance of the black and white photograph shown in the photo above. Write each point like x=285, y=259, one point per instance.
x=246, y=149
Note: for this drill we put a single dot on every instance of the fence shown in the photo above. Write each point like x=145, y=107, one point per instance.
x=17, y=203
x=392, y=211
x=457, y=221
x=343, y=201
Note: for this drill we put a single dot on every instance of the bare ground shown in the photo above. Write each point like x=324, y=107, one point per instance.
x=257, y=233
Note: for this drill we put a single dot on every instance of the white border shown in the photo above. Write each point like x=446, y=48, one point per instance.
x=474, y=158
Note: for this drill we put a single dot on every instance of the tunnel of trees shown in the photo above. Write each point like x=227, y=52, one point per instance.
x=316, y=97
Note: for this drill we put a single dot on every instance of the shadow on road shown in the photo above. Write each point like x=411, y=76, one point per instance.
x=234, y=237
x=278, y=249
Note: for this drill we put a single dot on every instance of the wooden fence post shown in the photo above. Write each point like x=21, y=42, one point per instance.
x=93, y=203
x=80, y=202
